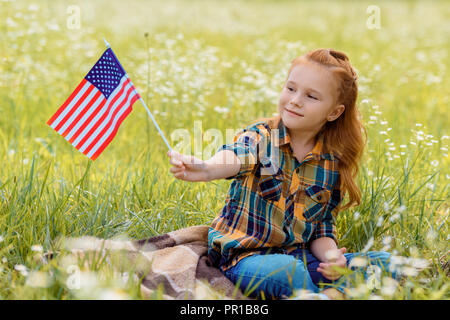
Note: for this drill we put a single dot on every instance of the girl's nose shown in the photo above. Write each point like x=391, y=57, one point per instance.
x=297, y=101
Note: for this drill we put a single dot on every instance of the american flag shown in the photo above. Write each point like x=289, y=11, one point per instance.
x=91, y=116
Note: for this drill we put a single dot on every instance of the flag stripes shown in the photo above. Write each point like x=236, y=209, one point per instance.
x=88, y=120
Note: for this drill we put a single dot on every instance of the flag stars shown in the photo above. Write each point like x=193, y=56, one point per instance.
x=105, y=74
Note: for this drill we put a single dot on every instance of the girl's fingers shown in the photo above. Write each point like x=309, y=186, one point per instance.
x=176, y=169
x=176, y=162
x=180, y=175
x=178, y=156
x=328, y=274
x=325, y=273
x=179, y=159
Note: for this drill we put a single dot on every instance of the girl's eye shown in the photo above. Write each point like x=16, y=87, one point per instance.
x=310, y=96
x=290, y=89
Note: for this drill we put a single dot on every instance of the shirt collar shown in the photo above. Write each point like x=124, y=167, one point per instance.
x=316, y=152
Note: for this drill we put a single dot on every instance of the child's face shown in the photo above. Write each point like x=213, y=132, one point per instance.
x=311, y=93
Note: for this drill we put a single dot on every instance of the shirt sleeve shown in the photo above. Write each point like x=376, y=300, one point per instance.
x=247, y=145
x=327, y=226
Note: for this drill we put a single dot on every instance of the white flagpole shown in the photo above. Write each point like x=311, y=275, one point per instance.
x=156, y=125
x=148, y=111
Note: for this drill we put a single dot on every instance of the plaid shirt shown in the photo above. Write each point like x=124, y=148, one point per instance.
x=275, y=202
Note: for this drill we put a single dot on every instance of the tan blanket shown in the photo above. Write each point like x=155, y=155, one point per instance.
x=176, y=261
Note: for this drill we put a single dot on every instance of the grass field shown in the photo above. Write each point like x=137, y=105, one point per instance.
x=221, y=63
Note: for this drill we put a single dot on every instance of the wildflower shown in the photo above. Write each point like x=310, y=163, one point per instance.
x=108, y=294
x=394, y=217
x=431, y=236
x=397, y=260
x=358, y=262
x=368, y=245
x=33, y=7
x=418, y=263
x=380, y=221
x=359, y=291
x=21, y=268
x=389, y=286
x=332, y=255
x=356, y=215
x=431, y=78
x=401, y=209
x=430, y=186
x=38, y=279
x=88, y=280
x=435, y=163
x=221, y=109
x=52, y=26
x=11, y=23
x=37, y=248
x=303, y=294
x=387, y=240
x=409, y=271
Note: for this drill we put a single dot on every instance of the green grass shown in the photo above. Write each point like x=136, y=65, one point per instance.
x=200, y=55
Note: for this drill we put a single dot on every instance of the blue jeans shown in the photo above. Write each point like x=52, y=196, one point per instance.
x=273, y=276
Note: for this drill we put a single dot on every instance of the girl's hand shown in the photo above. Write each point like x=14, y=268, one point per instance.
x=329, y=269
x=188, y=168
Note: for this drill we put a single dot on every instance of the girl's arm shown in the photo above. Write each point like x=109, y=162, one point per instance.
x=231, y=161
x=324, y=243
x=332, y=259
x=320, y=246
x=223, y=164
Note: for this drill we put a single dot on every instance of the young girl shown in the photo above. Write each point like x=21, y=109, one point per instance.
x=277, y=230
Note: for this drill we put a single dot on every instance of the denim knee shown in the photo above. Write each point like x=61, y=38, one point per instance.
x=274, y=275
x=380, y=259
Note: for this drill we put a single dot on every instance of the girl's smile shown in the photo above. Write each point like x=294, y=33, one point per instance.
x=293, y=113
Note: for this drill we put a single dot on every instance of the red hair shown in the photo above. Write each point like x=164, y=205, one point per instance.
x=343, y=136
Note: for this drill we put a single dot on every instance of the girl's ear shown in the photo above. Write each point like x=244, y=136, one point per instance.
x=337, y=111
